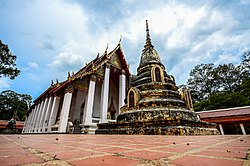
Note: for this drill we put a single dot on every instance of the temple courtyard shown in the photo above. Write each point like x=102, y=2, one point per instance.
x=76, y=149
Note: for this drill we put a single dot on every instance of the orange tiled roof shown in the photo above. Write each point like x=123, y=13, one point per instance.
x=229, y=112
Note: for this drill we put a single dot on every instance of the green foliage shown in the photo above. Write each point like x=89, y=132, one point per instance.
x=202, y=82
x=220, y=87
x=11, y=102
x=7, y=62
x=222, y=100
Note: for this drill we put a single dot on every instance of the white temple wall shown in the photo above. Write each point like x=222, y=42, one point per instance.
x=80, y=98
x=97, y=100
x=72, y=107
x=113, y=93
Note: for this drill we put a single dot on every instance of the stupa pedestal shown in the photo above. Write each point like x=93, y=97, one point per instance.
x=158, y=122
x=155, y=105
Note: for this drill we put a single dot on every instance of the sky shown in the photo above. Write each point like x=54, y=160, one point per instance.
x=51, y=38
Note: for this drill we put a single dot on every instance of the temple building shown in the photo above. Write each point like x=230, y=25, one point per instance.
x=229, y=120
x=92, y=95
x=155, y=105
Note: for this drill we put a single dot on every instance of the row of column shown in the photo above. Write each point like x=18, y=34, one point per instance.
x=43, y=116
x=241, y=127
x=104, y=96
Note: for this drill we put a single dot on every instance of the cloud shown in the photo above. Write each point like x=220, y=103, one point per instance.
x=4, y=84
x=45, y=45
x=68, y=58
x=33, y=65
x=71, y=33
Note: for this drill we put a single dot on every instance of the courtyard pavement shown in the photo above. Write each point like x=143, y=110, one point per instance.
x=123, y=150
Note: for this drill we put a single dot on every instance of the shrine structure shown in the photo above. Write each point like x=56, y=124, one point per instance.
x=92, y=95
x=155, y=105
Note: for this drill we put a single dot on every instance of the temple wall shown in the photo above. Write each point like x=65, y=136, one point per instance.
x=114, y=93
x=97, y=100
x=80, y=98
x=72, y=107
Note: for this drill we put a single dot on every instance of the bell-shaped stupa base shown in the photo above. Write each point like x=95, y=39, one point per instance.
x=158, y=122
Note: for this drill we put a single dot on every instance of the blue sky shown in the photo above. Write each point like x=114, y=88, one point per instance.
x=51, y=38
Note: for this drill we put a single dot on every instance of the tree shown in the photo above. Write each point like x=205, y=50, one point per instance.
x=229, y=85
x=11, y=102
x=245, y=64
x=228, y=77
x=202, y=81
x=7, y=62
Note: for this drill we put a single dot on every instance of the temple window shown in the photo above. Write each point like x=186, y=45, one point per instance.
x=157, y=75
x=131, y=99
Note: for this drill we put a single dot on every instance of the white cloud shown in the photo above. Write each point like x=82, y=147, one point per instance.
x=185, y=34
x=4, y=84
x=33, y=65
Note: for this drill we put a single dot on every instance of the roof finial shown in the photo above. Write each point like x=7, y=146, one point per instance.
x=147, y=25
x=106, y=51
x=120, y=39
x=148, y=40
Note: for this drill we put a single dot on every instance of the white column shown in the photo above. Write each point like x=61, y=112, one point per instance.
x=221, y=129
x=37, y=123
x=54, y=111
x=87, y=118
x=122, y=89
x=105, y=95
x=43, y=115
x=242, y=129
x=35, y=117
x=33, y=113
x=48, y=111
x=65, y=109
x=30, y=120
x=27, y=119
x=25, y=125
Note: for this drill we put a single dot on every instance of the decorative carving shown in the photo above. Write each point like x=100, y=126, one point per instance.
x=115, y=61
x=93, y=78
x=69, y=89
x=82, y=84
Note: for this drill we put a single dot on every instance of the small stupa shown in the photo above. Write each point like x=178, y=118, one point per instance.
x=155, y=105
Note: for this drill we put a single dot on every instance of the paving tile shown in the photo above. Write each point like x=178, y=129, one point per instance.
x=223, y=154
x=18, y=160
x=178, y=148
x=13, y=152
x=72, y=154
x=114, y=150
x=105, y=161
x=147, y=154
x=201, y=161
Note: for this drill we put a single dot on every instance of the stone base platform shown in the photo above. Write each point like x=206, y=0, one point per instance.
x=164, y=127
x=158, y=122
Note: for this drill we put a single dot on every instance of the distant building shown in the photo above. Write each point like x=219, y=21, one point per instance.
x=92, y=95
x=18, y=126
x=230, y=120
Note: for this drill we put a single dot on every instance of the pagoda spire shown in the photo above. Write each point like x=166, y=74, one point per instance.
x=148, y=39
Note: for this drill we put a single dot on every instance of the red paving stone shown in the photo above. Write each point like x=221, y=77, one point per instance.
x=228, y=153
x=73, y=154
x=19, y=160
x=147, y=154
x=106, y=161
x=202, y=161
x=114, y=150
x=61, y=149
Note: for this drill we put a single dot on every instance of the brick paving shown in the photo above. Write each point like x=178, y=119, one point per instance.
x=123, y=150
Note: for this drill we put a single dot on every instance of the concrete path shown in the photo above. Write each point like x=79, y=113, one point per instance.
x=123, y=150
